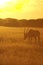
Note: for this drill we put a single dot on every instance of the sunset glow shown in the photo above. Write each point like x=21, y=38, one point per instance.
x=21, y=9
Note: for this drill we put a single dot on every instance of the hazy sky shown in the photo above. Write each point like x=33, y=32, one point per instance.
x=21, y=9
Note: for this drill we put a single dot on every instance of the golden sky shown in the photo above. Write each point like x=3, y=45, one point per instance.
x=21, y=9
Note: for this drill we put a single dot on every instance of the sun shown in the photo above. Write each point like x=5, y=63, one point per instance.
x=13, y=5
x=3, y=2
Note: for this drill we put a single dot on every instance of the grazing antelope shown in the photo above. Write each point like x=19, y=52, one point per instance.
x=32, y=34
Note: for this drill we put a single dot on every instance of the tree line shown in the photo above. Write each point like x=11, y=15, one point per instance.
x=10, y=22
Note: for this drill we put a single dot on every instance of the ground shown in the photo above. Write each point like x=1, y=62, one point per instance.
x=17, y=51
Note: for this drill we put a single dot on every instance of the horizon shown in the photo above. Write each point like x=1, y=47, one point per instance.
x=21, y=19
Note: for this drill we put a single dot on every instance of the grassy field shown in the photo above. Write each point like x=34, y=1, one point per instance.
x=15, y=51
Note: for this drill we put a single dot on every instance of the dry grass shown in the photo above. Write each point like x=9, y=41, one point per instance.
x=15, y=51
